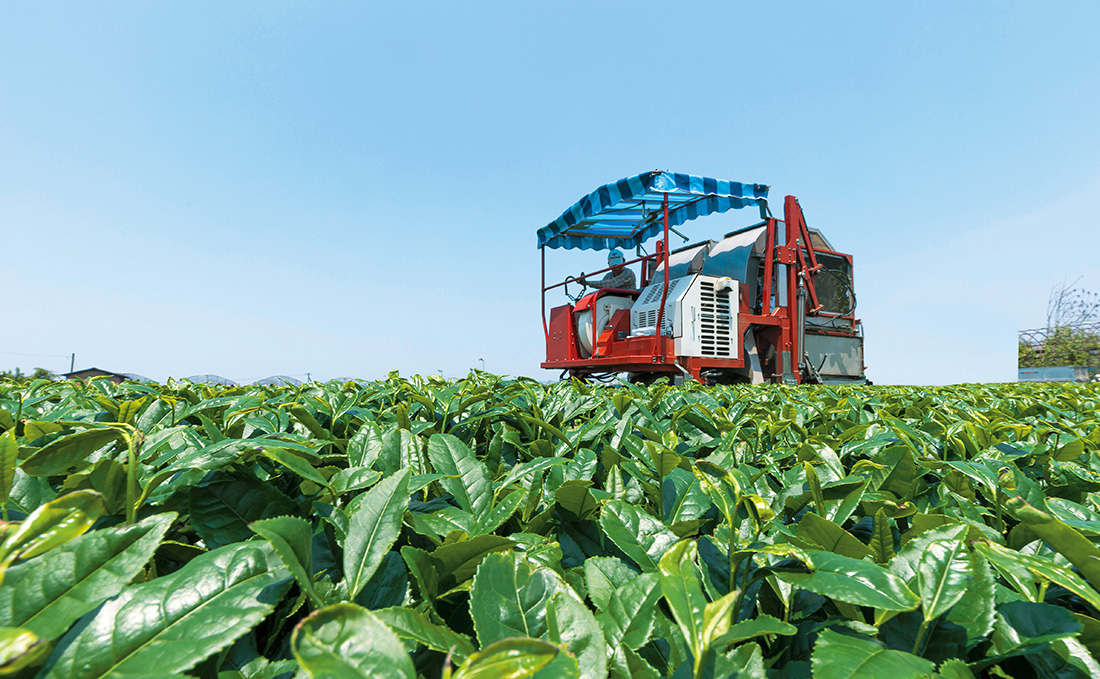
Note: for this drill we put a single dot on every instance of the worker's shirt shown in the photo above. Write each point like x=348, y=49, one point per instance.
x=624, y=281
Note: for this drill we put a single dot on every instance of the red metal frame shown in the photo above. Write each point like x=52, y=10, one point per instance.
x=775, y=327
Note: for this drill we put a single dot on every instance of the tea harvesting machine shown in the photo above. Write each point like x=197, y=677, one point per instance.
x=771, y=302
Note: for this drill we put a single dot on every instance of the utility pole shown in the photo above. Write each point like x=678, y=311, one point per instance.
x=72, y=363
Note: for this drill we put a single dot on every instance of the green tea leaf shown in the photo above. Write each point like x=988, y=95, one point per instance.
x=943, y=576
x=853, y=581
x=470, y=483
x=69, y=452
x=604, y=575
x=410, y=624
x=20, y=649
x=511, y=659
x=174, y=622
x=571, y=624
x=681, y=588
x=9, y=454
x=975, y=610
x=839, y=656
x=82, y=574
x=882, y=539
x=52, y=524
x=373, y=529
x=509, y=598
x=814, y=531
x=221, y=512
x=456, y=563
x=750, y=629
x=628, y=615
x=1005, y=560
x=346, y=641
x=292, y=539
x=1028, y=623
x=1064, y=539
x=641, y=537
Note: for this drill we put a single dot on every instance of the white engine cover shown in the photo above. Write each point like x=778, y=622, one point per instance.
x=700, y=315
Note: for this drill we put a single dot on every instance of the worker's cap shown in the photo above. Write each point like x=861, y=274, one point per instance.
x=615, y=257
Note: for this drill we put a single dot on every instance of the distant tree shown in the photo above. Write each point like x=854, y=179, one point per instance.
x=1071, y=336
x=19, y=377
x=1069, y=306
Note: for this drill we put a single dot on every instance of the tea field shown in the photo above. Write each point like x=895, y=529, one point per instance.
x=492, y=528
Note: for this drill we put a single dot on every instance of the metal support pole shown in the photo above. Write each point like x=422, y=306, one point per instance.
x=769, y=269
x=545, y=328
x=664, y=291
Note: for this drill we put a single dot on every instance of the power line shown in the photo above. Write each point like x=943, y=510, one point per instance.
x=18, y=353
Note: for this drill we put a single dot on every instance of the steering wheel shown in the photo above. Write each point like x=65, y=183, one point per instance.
x=583, y=286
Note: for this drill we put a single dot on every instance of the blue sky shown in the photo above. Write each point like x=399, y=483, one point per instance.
x=345, y=189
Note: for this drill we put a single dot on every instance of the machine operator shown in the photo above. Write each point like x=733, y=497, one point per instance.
x=619, y=277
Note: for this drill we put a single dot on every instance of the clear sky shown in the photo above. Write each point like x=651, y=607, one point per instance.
x=345, y=189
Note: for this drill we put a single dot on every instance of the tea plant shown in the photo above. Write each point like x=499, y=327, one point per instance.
x=492, y=527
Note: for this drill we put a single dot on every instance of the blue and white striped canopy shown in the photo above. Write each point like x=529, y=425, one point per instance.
x=628, y=212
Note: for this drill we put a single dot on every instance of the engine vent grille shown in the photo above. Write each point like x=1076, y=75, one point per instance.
x=652, y=295
x=715, y=327
x=648, y=319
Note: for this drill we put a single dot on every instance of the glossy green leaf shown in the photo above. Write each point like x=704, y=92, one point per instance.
x=221, y=512
x=840, y=656
x=761, y=625
x=456, y=563
x=604, y=575
x=292, y=539
x=175, y=621
x=373, y=528
x=1027, y=623
x=1005, y=560
x=512, y=659
x=717, y=617
x=954, y=669
x=295, y=463
x=365, y=446
x=853, y=581
x=629, y=612
x=52, y=524
x=682, y=589
x=815, y=489
x=976, y=609
x=816, y=532
x=500, y=512
x=9, y=453
x=410, y=624
x=20, y=649
x=346, y=641
x=1064, y=539
x=882, y=539
x=906, y=561
x=572, y=625
x=82, y=574
x=470, y=483
x=509, y=598
x=640, y=536
x=575, y=498
x=69, y=452
x=943, y=576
